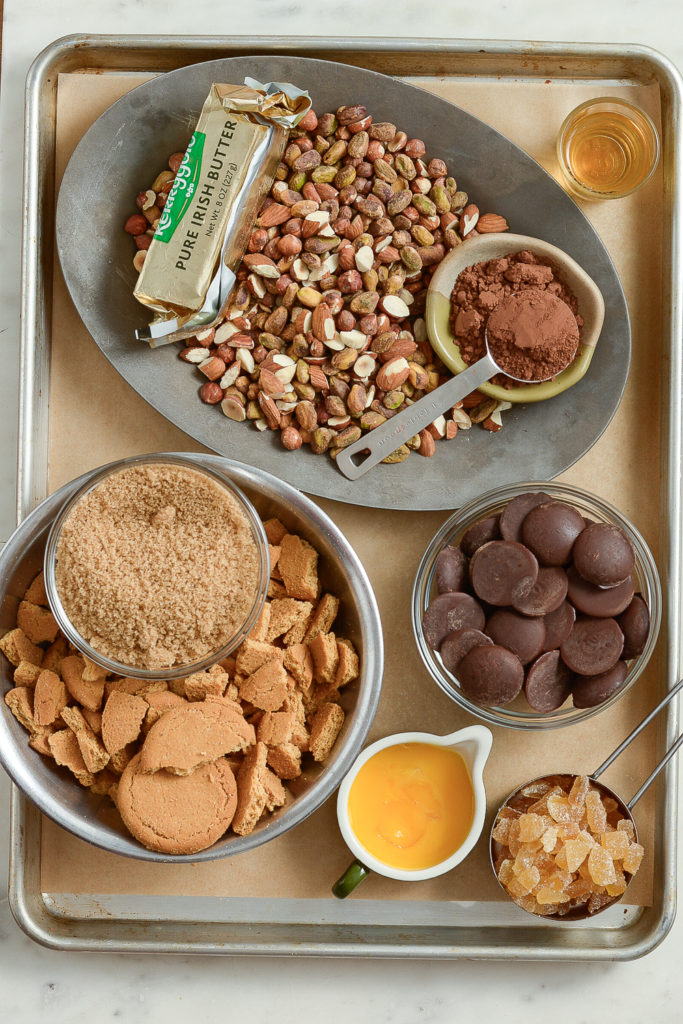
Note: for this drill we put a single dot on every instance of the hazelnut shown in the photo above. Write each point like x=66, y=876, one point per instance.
x=291, y=439
x=211, y=392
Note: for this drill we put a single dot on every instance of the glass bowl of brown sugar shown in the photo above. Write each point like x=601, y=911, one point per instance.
x=542, y=652
x=156, y=568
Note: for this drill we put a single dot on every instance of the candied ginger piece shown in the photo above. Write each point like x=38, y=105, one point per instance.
x=549, y=894
x=505, y=874
x=616, y=844
x=559, y=809
x=598, y=900
x=523, y=860
x=633, y=858
x=529, y=878
x=579, y=890
x=610, y=804
x=541, y=806
x=549, y=838
x=595, y=812
x=625, y=825
x=577, y=794
x=569, y=830
x=576, y=851
x=551, y=910
x=538, y=788
x=516, y=889
x=618, y=887
x=531, y=827
x=501, y=830
x=559, y=879
x=601, y=866
x=527, y=903
x=561, y=858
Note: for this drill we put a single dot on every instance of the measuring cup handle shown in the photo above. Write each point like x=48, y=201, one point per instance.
x=384, y=440
x=636, y=732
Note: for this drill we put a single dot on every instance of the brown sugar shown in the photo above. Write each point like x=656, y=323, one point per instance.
x=157, y=566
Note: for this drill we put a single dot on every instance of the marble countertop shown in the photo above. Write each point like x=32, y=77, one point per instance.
x=37, y=984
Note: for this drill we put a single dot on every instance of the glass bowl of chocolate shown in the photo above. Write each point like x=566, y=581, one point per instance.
x=536, y=606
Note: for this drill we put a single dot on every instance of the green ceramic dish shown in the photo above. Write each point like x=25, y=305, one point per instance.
x=489, y=247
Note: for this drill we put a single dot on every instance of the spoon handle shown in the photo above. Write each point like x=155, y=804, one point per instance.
x=384, y=440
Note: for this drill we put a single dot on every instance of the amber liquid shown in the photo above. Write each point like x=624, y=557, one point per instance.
x=610, y=152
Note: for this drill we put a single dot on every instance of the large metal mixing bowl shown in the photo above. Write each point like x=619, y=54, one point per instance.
x=56, y=793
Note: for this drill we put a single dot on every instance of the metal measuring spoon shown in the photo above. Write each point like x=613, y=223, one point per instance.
x=383, y=440
x=580, y=913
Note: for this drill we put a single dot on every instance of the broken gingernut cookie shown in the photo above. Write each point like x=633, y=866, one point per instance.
x=187, y=759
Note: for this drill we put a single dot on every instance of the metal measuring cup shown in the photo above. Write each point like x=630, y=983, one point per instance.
x=580, y=913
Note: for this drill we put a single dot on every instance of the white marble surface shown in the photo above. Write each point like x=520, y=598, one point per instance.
x=36, y=984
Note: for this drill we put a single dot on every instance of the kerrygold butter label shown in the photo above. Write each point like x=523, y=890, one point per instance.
x=230, y=163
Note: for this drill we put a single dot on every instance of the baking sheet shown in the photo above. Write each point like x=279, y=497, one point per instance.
x=95, y=417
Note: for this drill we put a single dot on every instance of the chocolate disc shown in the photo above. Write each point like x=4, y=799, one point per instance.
x=451, y=570
x=449, y=612
x=524, y=637
x=516, y=511
x=490, y=675
x=546, y=595
x=480, y=533
x=550, y=530
x=603, y=555
x=502, y=571
x=591, y=690
x=548, y=682
x=598, y=601
x=634, y=623
x=558, y=625
x=459, y=643
x=594, y=646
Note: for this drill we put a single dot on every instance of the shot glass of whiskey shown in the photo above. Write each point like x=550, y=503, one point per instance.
x=607, y=148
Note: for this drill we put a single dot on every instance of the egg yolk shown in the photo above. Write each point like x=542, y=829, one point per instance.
x=411, y=805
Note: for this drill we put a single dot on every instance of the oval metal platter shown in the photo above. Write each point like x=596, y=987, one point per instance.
x=130, y=143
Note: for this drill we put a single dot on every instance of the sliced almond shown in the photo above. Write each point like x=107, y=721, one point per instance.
x=365, y=258
x=394, y=306
x=224, y=332
x=353, y=339
x=244, y=356
x=197, y=355
x=230, y=375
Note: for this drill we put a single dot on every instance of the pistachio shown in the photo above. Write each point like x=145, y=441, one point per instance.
x=369, y=420
x=400, y=455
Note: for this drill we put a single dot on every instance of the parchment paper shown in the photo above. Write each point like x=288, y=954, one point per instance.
x=96, y=417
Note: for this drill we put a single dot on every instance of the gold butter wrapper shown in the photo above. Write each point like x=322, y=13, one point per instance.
x=229, y=165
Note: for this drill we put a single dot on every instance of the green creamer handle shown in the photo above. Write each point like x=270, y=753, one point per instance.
x=353, y=876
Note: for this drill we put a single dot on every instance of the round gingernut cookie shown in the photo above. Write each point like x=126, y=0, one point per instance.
x=178, y=814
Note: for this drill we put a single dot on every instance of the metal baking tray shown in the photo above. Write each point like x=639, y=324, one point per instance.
x=359, y=927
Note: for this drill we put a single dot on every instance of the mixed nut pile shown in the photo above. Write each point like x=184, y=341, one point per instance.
x=325, y=337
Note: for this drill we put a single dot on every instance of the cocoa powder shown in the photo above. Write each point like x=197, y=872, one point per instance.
x=481, y=287
x=533, y=335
